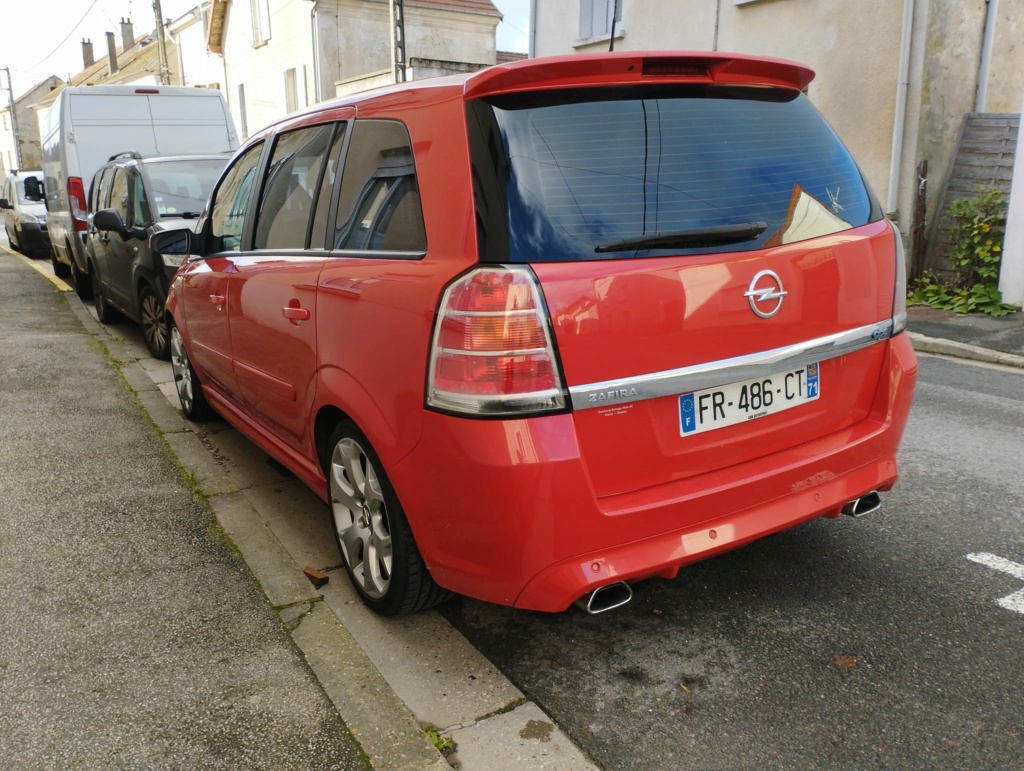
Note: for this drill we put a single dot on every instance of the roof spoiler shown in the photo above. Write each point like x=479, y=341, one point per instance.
x=636, y=67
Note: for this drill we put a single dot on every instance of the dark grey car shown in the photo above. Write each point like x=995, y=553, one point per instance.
x=131, y=199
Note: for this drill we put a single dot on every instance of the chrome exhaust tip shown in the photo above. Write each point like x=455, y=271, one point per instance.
x=605, y=598
x=866, y=504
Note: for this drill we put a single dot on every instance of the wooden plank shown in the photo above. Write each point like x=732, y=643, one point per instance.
x=983, y=159
x=969, y=158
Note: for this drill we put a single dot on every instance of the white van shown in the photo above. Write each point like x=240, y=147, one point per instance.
x=89, y=124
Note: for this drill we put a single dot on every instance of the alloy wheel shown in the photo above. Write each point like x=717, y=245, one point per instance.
x=361, y=518
x=182, y=370
x=154, y=327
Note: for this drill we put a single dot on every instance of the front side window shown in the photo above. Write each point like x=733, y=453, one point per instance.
x=141, y=217
x=98, y=190
x=671, y=169
x=292, y=181
x=119, y=193
x=379, y=207
x=231, y=201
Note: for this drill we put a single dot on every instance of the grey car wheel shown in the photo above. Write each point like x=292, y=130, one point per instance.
x=153, y=323
x=105, y=313
x=190, y=392
x=376, y=543
x=82, y=282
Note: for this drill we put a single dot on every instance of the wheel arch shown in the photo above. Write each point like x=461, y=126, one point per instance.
x=342, y=397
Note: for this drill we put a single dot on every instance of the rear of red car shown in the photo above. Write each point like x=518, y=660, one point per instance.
x=684, y=332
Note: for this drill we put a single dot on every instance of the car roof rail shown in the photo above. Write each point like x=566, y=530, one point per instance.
x=130, y=153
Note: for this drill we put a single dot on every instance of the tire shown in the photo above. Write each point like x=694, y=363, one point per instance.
x=373, y=535
x=154, y=324
x=190, y=393
x=15, y=243
x=82, y=283
x=104, y=312
x=60, y=270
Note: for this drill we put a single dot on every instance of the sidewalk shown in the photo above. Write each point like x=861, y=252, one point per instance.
x=133, y=636
x=975, y=336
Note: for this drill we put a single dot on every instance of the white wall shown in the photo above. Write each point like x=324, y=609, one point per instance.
x=1011, y=274
x=196, y=65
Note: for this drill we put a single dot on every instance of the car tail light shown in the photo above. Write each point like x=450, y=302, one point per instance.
x=492, y=352
x=76, y=200
x=899, y=300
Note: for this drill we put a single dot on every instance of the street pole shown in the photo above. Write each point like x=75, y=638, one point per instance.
x=14, y=118
x=398, y=60
x=161, y=45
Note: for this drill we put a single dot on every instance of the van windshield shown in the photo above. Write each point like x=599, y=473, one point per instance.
x=611, y=173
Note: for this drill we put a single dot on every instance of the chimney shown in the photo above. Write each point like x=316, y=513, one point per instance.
x=88, y=59
x=112, y=52
x=127, y=34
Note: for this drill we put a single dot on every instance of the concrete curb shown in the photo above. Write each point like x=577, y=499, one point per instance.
x=958, y=350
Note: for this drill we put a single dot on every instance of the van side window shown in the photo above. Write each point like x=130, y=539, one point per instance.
x=119, y=193
x=379, y=208
x=230, y=201
x=292, y=181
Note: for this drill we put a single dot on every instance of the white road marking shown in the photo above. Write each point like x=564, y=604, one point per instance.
x=1014, y=601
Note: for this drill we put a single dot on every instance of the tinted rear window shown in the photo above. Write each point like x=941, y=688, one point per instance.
x=559, y=174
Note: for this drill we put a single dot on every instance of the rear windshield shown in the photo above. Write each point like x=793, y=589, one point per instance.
x=182, y=186
x=614, y=173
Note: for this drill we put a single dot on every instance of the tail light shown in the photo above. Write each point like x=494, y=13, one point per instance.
x=76, y=200
x=899, y=300
x=492, y=352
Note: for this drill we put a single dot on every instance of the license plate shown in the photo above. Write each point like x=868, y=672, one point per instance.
x=727, y=405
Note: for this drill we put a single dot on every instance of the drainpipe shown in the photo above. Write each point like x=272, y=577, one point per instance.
x=892, y=203
x=991, y=6
x=532, y=47
x=316, y=52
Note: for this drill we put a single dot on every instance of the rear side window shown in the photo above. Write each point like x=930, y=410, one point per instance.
x=603, y=173
x=230, y=202
x=292, y=182
x=379, y=206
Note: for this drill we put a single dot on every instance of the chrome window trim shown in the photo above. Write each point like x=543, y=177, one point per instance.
x=725, y=371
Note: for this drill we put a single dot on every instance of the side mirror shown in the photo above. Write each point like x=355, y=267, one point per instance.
x=180, y=243
x=5, y=204
x=34, y=189
x=108, y=219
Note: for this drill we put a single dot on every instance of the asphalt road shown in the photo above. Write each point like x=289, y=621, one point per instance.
x=844, y=643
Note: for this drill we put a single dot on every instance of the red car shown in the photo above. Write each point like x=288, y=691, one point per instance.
x=541, y=331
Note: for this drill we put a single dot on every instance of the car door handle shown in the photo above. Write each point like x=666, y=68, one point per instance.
x=296, y=314
x=217, y=299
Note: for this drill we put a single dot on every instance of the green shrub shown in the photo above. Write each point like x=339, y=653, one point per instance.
x=977, y=238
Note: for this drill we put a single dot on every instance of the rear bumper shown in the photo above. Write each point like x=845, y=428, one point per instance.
x=506, y=511
x=662, y=555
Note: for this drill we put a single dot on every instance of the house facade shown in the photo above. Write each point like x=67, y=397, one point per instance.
x=24, y=121
x=895, y=81
x=282, y=55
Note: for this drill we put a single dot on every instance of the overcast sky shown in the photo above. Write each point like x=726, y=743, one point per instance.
x=39, y=38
